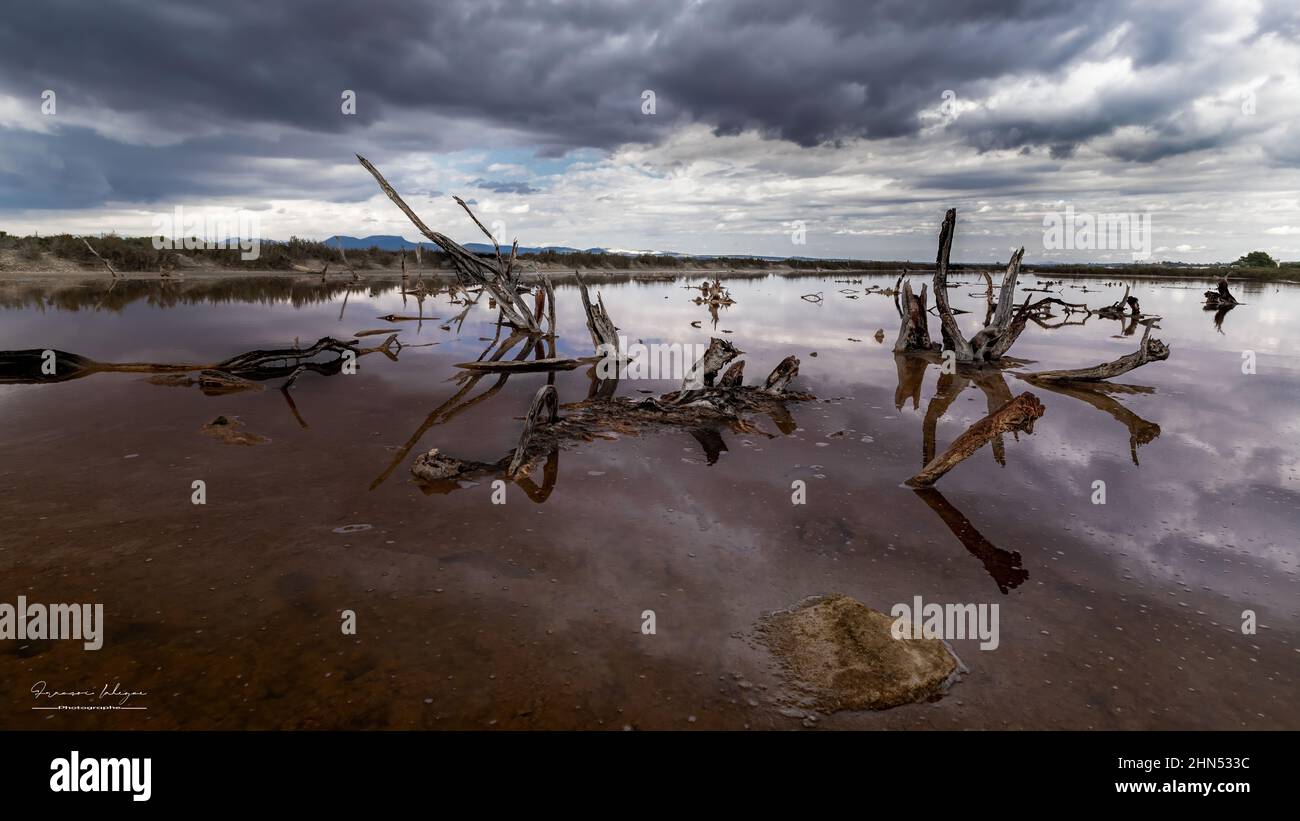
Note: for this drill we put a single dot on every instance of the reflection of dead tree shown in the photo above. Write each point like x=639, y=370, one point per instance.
x=1002, y=565
x=911, y=374
x=707, y=408
x=458, y=403
x=1097, y=394
x=1017, y=415
x=1040, y=317
x=1219, y=314
x=499, y=278
x=951, y=385
x=1150, y=350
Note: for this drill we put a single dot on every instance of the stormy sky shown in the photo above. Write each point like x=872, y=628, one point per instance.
x=857, y=122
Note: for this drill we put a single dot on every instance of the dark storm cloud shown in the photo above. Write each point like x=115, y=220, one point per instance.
x=554, y=76
x=505, y=187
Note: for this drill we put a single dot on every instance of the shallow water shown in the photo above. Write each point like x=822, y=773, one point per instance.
x=528, y=614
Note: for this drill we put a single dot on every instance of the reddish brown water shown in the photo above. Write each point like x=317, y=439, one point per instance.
x=528, y=614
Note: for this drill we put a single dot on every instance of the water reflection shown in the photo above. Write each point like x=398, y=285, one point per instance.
x=1219, y=313
x=1202, y=525
x=1003, y=566
x=1099, y=396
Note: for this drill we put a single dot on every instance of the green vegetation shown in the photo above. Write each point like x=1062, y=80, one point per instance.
x=1256, y=259
x=138, y=254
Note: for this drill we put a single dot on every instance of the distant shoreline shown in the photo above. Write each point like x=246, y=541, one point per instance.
x=339, y=275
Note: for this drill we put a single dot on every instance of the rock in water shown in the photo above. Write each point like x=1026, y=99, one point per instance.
x=844, y=653
x=434, y=466
x=227, y=430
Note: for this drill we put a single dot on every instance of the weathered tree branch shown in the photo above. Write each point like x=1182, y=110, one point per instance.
x=952, y=338
x=1150, y=350
x=493, y=278
x=1016, y=415
x=599, y=324
x=107, y=265
x=914, y=328
x=708, y=409
x=546, y=401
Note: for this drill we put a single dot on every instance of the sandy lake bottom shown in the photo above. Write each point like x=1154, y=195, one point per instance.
x=528, y=614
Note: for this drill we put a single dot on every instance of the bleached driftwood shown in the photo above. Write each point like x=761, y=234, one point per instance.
x=1017, y=415
x=599, y=324
x=593, y=418
x=914, y=330
x=705, y=371
x=107, y=264
x=497, y=278
x=1149, y=350
x=28, y=366
x=1127, y=306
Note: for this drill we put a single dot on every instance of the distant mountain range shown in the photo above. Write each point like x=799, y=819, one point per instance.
x=390, y=242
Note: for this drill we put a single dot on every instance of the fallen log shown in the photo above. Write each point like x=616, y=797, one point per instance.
x=1150, y=350
x=30, y=366
x=1017, y=415
x=599, y=417
x=529, y=365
